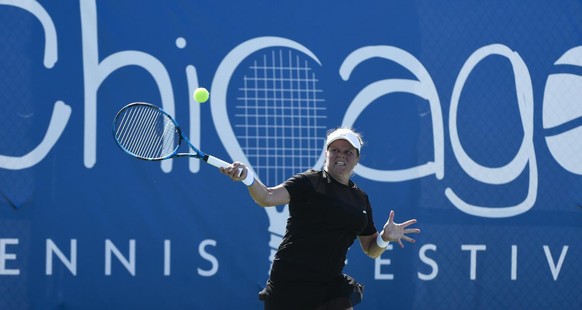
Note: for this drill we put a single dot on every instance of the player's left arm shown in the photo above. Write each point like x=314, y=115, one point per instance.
x=369, y=246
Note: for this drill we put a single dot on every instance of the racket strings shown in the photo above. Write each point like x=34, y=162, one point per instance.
x=146, y=132
x=280, y=115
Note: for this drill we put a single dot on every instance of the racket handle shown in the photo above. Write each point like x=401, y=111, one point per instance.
x=219, y=163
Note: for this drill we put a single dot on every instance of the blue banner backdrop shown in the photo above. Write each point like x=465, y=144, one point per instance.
x=471, y=112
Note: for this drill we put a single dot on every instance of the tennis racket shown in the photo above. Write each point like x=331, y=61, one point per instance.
x=145, y=131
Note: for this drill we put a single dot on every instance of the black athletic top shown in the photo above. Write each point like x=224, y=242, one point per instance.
x=325, y=217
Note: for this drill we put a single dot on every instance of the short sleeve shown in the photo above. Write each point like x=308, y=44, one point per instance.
x=300, y=186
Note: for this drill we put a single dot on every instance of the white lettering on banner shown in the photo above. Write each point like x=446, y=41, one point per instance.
x=209, y=257
x=473, y=248
x=378, y=263
x=526, y=153
x=423, y=88
x=514, y=262
x=71, y=264
x=195, y=118
x=555, y=268
x=96, y=71
x=167, y=257
x=129, y=264
x=4, y=256
x=61, y=111
x=429, y=261
x=129, y=259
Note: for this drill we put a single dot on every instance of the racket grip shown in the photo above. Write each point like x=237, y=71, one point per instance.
x=219, y=163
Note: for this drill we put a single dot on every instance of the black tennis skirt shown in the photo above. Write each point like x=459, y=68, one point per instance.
x=339, y=293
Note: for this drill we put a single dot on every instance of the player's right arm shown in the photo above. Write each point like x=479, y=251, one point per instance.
x=264, y=196
x=268, y=196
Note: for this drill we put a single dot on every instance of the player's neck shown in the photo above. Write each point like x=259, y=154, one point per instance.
x=341, y=178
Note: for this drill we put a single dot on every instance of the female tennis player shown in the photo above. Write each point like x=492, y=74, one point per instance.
x=327, y=211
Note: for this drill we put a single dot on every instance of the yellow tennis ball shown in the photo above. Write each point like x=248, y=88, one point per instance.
x=201, y=94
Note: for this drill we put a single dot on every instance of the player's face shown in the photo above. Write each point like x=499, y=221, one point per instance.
x=341, y=158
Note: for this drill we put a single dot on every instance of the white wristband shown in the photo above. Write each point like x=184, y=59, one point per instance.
x=380, y=242
x=249, y=179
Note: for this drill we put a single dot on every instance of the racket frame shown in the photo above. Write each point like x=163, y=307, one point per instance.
x=216, y=162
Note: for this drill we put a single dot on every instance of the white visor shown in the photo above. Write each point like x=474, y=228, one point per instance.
x=346, y=134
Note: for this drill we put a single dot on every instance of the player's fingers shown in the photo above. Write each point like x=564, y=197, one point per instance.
x=408, y=223
x=226, y=171
x=391, y=216
x=232, y=171
x=239, y=170
x=406, y=238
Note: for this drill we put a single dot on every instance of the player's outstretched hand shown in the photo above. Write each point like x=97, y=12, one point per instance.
x=395, y=232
